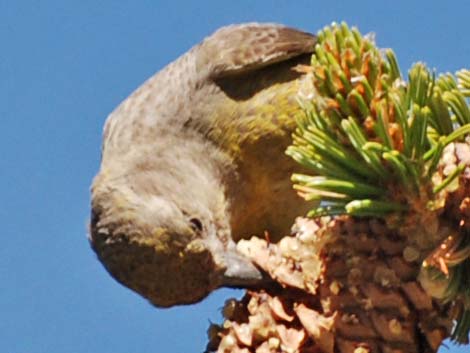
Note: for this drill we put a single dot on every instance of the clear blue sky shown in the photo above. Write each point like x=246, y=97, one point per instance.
x=64, y=65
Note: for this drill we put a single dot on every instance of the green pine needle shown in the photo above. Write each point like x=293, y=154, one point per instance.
x=373, y=141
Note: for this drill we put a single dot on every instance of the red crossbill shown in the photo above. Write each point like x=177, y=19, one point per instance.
x=194, y=160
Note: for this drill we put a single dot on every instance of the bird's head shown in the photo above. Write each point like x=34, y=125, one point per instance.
x=162, y=236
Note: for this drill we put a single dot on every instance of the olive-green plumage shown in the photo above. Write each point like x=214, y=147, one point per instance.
x=194, y=160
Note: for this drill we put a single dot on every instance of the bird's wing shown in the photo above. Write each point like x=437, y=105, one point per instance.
x=242, y=48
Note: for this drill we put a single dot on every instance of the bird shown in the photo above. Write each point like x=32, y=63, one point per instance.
x=194, y=161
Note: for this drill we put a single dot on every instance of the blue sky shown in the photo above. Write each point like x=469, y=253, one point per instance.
x=64, y=65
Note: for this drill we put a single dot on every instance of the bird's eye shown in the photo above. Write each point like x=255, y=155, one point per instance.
x=196, y=224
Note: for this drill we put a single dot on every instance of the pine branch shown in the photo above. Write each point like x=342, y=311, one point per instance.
x=375, y=145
